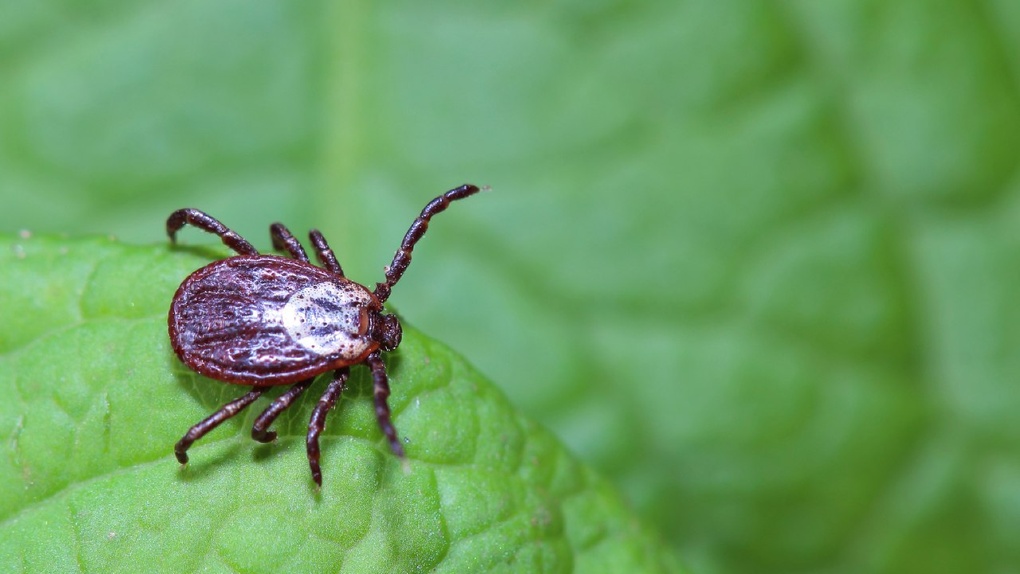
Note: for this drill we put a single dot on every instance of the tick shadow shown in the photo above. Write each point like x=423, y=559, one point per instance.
x=205, y=251
x=207, y=467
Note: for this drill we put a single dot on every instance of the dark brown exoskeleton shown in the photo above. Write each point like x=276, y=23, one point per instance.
x=265, y=321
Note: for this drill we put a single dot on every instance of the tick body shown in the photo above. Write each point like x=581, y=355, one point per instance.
x=265, y=321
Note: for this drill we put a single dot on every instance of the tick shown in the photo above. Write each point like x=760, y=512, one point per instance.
x=266, y=321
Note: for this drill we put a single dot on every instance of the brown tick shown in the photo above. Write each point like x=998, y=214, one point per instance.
x=265, y=321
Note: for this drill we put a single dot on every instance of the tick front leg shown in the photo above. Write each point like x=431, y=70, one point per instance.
x=318, y=420
x=205, y=222
x=214, y=420
x=284, y=240
x=417, y=230
x=264, y=420
x=381, y=392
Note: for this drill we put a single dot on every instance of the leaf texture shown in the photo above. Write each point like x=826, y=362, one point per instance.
x=96, y=401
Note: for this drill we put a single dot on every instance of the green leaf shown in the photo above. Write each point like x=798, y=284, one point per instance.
x=755, y=261
x=95, y=400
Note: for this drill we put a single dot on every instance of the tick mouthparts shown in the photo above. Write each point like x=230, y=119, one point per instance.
x=387, y=331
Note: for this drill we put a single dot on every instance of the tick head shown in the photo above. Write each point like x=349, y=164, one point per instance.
x=386, y=331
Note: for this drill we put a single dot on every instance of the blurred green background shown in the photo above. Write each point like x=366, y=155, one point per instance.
x=754, y=261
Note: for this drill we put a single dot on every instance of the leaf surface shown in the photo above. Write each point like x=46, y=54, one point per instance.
x=96, y=400
x=756, y=262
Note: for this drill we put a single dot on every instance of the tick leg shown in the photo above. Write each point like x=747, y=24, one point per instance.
x=283, y=240
x=206, y=222
x=403, y=256
x=318, y=420
x=324, y=253
x=214, y=420
x=381, y=392
x=258, y=430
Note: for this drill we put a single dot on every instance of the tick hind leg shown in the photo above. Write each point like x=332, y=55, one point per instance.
x=214, y=420
x=282, y=402
x=284, y=240
x=318, y=420
x=206, y=222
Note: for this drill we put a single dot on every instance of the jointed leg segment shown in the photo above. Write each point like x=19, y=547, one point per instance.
x=403, y=256
x=205, y=222
x=214, y=420
x=264, y=420
x=284, y=240
x=318, y=421
x=381, y=392
x=324, y=253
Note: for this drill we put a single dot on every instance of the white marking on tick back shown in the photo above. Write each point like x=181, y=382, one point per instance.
x=326, y=318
